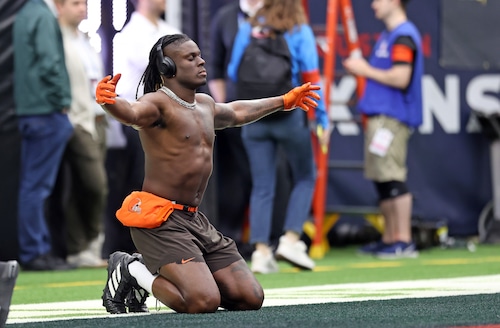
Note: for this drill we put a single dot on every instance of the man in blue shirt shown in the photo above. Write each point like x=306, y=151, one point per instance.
x=392, y=103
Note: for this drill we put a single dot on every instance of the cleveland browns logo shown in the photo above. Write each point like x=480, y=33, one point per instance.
x=134, y=205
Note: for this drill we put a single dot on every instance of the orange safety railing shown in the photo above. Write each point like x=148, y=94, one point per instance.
x=318, y=248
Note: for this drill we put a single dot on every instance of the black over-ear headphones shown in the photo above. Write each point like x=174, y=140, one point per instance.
x=166, y=65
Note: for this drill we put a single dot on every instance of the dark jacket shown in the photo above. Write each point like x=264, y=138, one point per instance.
x=41, y=82
x=223, y=31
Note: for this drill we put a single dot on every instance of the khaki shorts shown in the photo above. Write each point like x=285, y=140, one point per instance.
x=392, y=166
x=184, y=237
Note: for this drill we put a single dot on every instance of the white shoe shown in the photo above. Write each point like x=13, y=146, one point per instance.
x=86, y=259
x=295, y=253
x=95, y=245
x=263, y=263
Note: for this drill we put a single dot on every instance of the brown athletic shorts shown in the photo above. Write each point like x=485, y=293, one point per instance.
x=392, y=166
x=185, y=237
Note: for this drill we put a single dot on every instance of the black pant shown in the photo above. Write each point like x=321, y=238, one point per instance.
x=125, y=171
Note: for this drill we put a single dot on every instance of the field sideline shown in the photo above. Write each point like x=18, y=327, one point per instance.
x=24, y=313
x=441, y=288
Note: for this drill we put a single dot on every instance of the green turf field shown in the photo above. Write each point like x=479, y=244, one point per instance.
x=340, y=266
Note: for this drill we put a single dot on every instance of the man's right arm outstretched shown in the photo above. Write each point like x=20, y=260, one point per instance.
x=137, y=114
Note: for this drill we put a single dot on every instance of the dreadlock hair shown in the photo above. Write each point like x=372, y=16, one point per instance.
x=151, y=78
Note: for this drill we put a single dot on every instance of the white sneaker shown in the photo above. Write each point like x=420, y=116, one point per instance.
x=263, y=263
x=95, y=245
x=295, y=253
x=86, y=259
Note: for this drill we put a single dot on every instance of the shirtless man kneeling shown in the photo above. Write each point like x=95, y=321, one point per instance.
x=184, y=261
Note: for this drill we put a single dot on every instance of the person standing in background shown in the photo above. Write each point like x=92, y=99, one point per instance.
x=10, y=138
x=84, y=155
x=43, y=97
x=392, y=102
x=125, y=157
x=231, y=161
x=290, y=131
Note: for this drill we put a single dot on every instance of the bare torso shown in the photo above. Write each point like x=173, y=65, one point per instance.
x=178, y=151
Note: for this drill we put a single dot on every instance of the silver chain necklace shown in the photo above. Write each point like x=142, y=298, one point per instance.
x=178, y=100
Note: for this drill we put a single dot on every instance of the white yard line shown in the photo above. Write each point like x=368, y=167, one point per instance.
x=383, y=290
x=284, y=296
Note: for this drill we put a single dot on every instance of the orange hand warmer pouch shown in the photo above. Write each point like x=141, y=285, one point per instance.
x=141, y=209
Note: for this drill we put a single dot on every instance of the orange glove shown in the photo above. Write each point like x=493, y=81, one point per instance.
x=300, y=97
x=105, y=90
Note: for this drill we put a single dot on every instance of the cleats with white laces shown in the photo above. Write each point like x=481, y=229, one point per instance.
x=263, y=262
x=137, y=296
x=136, y=300
x=294, y=252
x=119, y=282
